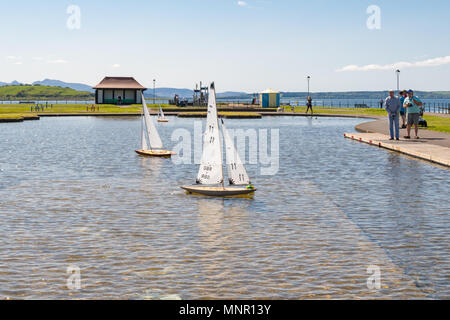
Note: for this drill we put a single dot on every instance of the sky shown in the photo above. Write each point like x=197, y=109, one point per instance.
x=249, y=45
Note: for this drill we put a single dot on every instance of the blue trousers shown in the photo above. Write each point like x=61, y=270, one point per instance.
x=394, y=121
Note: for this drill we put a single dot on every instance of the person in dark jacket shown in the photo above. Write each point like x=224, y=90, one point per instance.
x=393, y=106
x=309, y=104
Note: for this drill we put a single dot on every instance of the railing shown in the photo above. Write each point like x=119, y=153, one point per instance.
x=437, y=107
x=433, y=107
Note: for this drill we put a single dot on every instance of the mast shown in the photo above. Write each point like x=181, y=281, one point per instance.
x=144, y=145
x=220, y=143
x=211, y=167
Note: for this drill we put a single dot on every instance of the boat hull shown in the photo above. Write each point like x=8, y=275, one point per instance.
x=219, y=191
x=155, y=153
x=163, y=120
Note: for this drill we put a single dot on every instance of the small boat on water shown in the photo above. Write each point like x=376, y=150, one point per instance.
x=211, y=173
x=149, y=131
x=161, y=117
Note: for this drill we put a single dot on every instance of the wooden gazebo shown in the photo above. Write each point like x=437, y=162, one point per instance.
x=118, y=90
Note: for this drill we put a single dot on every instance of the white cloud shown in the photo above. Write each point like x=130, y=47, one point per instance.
x=398, y=65
x=15, y=60
x=116, y=65
x=38, y=58
x=242, y=3
x=57, y=61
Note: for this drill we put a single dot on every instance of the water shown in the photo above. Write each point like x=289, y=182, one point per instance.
x=74, y=193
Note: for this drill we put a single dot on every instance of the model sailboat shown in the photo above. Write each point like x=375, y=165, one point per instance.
x=161, y=117
x=149, y=131
x=211, y=168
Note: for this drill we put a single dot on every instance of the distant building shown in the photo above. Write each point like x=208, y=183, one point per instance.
x=118, y=90
x=269, y=99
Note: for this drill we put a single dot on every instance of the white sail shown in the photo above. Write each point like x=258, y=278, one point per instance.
x=153, y=136
x=236, y=171
x=161, y=113
x=211, y=170
x=144, y=145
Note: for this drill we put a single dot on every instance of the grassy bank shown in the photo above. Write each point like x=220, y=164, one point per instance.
x=18, y=117
x=36, y=92
x=68, y=108
x=229, y=115
x=436, y=123
x=14, y=111
x=82, y=108
x=11, y=117
x=329, y=110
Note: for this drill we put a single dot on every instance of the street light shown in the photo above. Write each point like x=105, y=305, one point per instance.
x=154, y=91
x=308, y=78
x=398, y=79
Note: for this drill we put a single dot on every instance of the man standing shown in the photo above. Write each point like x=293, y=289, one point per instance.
x=412, y=105
x=309, y=105
x=393, y=105
x=402, y=98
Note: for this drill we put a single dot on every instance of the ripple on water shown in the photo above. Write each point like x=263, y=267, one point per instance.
x=80, y=197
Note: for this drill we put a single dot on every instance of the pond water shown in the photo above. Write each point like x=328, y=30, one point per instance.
x=73, y=194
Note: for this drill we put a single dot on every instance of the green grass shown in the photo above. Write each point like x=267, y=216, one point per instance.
x=81, y=108
x=222, y=114
x=15, y=111
x=330, y=110
x=26, y=92
x=68, y=108
x=18, y=117
x=11, y=116
x=436, y=123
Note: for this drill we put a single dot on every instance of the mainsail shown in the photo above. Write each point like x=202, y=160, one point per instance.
x=153, y=136
x=236, y=171
x=144, y=145
x=211, y=170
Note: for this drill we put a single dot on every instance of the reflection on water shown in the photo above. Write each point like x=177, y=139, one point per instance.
x=73, y=192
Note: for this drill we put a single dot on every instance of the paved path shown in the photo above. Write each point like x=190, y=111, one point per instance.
x=427, y=136
x=424, y=151
x=432, y=146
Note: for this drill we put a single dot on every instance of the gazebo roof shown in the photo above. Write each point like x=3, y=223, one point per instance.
x=119, y=83
x=269, y=91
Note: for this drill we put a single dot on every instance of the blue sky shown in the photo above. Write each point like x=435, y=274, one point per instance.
x=246, y=45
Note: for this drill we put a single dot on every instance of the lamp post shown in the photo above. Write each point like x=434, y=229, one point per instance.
x=154, y=91
x=308, y=78
x=398, y=79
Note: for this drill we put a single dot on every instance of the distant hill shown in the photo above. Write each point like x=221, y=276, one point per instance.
x=233, y=94
x=62, y=84
x=14, y=83
x=187, y=93
x=169, y=93
x=26, y=92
